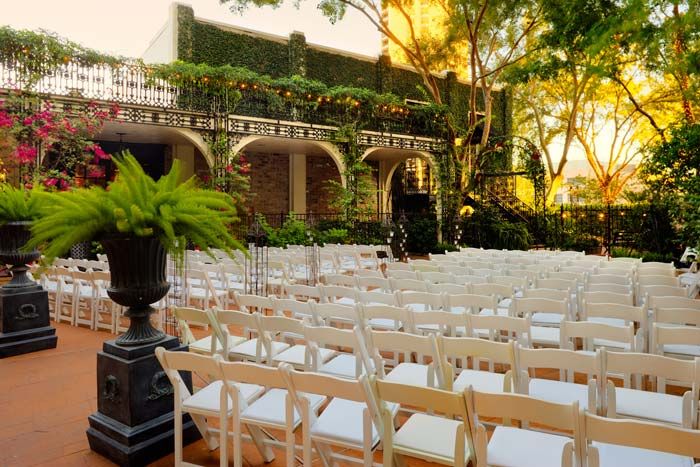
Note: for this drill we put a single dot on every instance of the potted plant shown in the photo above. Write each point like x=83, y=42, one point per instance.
x=18, y=208
x=138, y=221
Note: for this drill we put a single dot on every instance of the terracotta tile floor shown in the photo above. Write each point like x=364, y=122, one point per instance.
x=46, y=397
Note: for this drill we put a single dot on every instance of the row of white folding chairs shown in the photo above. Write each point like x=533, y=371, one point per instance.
x=362, y=415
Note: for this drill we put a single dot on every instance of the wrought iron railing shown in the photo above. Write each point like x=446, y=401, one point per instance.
x=134, y=83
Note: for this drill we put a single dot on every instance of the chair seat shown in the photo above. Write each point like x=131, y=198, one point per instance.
x=459, y=330
x=343, y=365
x=483, y=381
x=208, y=399
x=559, y=391
x=429, y=435
x=545, y=335
x=611, y=321
x=200, y=294
x=514, y=447
x=489, y=312
x=341, y=422
x=345, y=301
x=409, y=373
x=649, y=405
x=248, y=349
x=203, y=345
x=270, y=409
x=296, y=355
x=417, y=307
x=682, y=349
x=612, y=455
x=612, y=344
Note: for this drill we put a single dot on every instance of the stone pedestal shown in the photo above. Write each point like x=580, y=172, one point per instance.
x=24, y=321
x=134, y=422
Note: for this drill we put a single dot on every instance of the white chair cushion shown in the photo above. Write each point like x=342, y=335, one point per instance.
x=545, y=335
x=489, y=312
x=409, y=373
x=483, y=381
x=345, y=301
x=417, y=307
x=525, y=448
x=271, y=408
x=559, y=391
x=248, y=349
x=295, y=355
x=611, y=455
x=341, y=422
x=203, y=345
x=209, y=397
x=547, y=319
x=682, y=349
x=342, y=365
x=649, y=405
x=383, y=323
x=611, y=344
x=435, y=436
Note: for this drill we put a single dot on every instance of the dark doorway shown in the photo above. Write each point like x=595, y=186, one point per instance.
x=150, y=156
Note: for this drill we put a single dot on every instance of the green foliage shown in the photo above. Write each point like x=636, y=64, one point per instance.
x=671, y=171
x=18, y=204
x=40, y=53
x=421, y=235
x=443, y=247
x=487, y=228
x=137, y=205
x=647, y=256
x=332, y=236
x=581, y=241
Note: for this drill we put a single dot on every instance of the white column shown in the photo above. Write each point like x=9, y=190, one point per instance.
x=297, y=183
x=185, y=154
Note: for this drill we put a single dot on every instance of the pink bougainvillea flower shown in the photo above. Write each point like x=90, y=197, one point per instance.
x=44, y=131
x=63, y=184
x=69, y=127
x=229, y=168
x=114, y=109
x=6, y=120
x=50, y=182
x=99, y=153
x=25, y=154
x=28, y=186
x=96, y=172
x=27, y=121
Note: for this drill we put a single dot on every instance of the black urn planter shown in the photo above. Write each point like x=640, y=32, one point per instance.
x=134, y=422
x=138, y=279
x=24, y=305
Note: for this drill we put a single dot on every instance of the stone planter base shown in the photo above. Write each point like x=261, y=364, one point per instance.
x=24, y=321
x=134, y=423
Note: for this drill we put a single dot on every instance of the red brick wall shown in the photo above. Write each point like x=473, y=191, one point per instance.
x=269, y=182
x=319, y=169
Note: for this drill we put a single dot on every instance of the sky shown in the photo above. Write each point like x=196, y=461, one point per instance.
x=125, y=27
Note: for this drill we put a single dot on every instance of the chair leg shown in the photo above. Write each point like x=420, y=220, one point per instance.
x=223, y=441
x=178, y=435
x=237, y=450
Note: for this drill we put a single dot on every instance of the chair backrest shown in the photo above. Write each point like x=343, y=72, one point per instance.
x=373, y=283
x=551, y=294
x=221, y=319
x=561, y=359
x=674, y=302
x=251, y=303
x=290, y=307
x=683, y=316
x=608, y=297
x=609, y=279
x=628, y=313
x=334, y=293
x=299, y=291
x=579, y=277
x=471, y=303
x=175, y=362
x=485, y=272
x=474, y=264
x=662, y=291
x=517, y=282
x=528, y=275
x=517, y=329
x=556, y=284
x=397, y=266
x=613, y=288
x=625, y=260
x=639, y=434
x=449, y=288
x=463, y=347
x=457, y=270
x=339, y=279
x=376, y=298
x=401, y=274
x=423, y=300
x=399, y=315
x=527, y=306
x=472, y=279
x=658, y=271
x=671, y=281
x=326, y=313
x=446, y=323
x=588, y=331
x=187, y=316
x=634, y=363
x=369, y=273
x=499, y=290
x=408, y=284
x=437, y=277
x=673, y=335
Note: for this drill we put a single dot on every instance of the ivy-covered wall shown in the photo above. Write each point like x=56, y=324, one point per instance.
x=201, y=42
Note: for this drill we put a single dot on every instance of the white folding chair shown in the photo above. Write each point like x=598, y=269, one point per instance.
x=250, y=349
x=208, y=345
x=281, y=339
x=628, y=402
x=499, y=328
x=379, y=284
x=350, y=420
x=338, y=294
x=524, y=446
x=554, y=310
x=443, y=439
x=634, y=443
x=343, y=364
x=415, y=285
x=420, y=301
x=454, y=355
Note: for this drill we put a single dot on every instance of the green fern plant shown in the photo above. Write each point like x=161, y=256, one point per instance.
x=17, y=204
x=136, y=205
